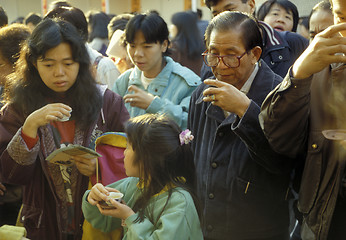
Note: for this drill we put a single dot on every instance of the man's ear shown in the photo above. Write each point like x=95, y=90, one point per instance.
x=256, y=51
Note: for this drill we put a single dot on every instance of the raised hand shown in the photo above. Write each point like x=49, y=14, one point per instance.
x=138, y=98
x=42, y=116
x=321, y=52
x=226, y=96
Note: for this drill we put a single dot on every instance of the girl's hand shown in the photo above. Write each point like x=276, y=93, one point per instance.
x=2, y=189
x=139, y=98
x=97, y=193
x=42, y=116
x=85, y=166
x=120, y=210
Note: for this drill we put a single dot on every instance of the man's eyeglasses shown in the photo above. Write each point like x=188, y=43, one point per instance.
x=212, y=60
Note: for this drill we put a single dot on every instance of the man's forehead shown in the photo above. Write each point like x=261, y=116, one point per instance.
x=225, y=3
x=339, y=7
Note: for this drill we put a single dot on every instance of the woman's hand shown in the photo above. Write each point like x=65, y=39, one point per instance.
x=120, y=210
x=42, y=116
x=85, y=166
x=139, y=98
x=2, y=189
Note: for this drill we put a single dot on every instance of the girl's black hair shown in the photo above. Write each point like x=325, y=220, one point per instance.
x=25, y=88
x=162, y=160
x=188, y=37
x=153, y=27
x=287, y=5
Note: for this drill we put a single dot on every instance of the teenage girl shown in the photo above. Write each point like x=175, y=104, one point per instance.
x=158, y=200
x=156, y=84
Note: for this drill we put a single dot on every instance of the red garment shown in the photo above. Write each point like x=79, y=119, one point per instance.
x=29, y=141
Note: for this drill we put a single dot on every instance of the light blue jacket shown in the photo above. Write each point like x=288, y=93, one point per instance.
x=172, y=89
x=179, y=220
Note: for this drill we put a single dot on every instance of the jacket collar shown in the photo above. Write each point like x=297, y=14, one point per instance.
x=161, y=79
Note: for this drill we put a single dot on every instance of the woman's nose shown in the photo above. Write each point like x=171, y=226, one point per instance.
x=58, y=70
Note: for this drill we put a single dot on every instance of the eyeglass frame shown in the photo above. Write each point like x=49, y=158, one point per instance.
x=205, y=53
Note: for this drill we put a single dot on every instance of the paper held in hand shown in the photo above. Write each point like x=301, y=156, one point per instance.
x=63, y=156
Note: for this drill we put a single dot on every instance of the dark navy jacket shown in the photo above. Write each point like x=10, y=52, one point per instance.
x=242, y=183
x=280, y=50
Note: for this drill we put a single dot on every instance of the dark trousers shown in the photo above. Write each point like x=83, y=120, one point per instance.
x=337, y=229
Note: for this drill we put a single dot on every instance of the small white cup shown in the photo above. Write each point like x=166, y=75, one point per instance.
x=117, y=196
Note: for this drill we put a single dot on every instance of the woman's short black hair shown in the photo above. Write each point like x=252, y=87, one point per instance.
x=251, y=34
x=153, y=27
x=286, y=4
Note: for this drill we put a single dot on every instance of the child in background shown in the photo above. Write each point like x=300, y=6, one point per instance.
x=160, y=190
x=157, y=84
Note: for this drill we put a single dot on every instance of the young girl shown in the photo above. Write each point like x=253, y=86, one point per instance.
x=157, y=84
x=282, y=15
x=52, y=79
x=159, y=192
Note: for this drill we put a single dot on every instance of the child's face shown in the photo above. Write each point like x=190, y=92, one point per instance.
x=57, y=69
x=279, y=19
x=132, y=170
x=146, y=56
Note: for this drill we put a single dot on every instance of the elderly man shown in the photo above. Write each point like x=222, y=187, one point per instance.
x=280, y=49
x=306, y=114
x=241, y=182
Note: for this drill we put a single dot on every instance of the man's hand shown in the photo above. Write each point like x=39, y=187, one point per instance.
x=226, y=96
x=321, y=52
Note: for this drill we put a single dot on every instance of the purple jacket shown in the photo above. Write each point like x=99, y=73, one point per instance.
x=42, y=209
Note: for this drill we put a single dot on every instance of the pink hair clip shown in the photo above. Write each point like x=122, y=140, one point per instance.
x=185, y=137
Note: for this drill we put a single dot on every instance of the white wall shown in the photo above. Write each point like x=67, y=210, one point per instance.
x=15, y=8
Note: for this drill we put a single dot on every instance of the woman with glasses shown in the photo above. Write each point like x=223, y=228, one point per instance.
x=242, y=183
x=156, y=84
